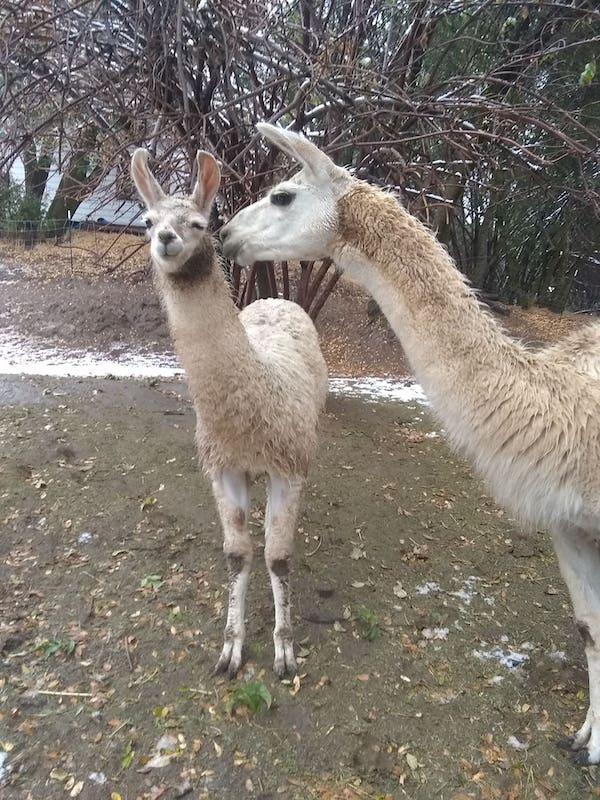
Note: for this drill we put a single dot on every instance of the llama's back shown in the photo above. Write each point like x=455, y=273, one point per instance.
x=275, y=428
x=286, y=340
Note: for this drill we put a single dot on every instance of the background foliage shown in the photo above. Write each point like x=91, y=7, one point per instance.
x=483, y=115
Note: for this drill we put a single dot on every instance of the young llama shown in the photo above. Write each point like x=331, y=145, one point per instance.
x=529, y=421
x=258, y=381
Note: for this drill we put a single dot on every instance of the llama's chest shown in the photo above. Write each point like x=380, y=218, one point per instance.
x=256, y=440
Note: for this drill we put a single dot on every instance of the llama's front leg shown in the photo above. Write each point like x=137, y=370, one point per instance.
x=283, y=499
x=232, y=496
x=579, y=559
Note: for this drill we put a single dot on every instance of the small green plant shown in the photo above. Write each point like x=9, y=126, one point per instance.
x=51, y=646
x=151, y=582
x=10, y=201
x=29, y=208
x=252, y=695
x=128, y=754
x=369, y=626
x=69, y=647
x=147, y=502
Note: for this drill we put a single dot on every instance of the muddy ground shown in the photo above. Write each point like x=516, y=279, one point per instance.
x=438, y=656
x=408, y=583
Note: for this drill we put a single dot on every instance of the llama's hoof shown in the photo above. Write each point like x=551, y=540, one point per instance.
x=566, y=742
x=230, y=660
x=582, y=757
x=285, y=661
x=584, y=753
x=285, y=670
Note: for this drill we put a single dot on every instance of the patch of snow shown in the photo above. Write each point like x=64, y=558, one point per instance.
x=6, y=274
x=430, y=587
x=19, y=356
x=463, y=595
x=468, y=591
x=85, y=537
x=435, y=633
x=97, y=777
x=510, y=659
x=558, y=656
x=4, y=770
x=373, y=389
x=513, y=742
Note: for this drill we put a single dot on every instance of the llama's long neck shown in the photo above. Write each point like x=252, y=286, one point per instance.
x=210, y=340
x=449, y=341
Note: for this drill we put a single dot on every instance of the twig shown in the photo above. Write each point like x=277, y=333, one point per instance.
x=127, y=653
x=120, y=727
x=63, y=694
x=110, y=270
x=312, y=552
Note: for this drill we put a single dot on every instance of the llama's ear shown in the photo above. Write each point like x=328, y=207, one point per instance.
x=300, y=149
x=208, y=180
x=146, y=183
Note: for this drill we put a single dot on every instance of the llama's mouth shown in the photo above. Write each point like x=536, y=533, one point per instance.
x=233, y=251
x=167, y=252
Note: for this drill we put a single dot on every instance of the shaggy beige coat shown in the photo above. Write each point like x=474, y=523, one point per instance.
x=258, y=381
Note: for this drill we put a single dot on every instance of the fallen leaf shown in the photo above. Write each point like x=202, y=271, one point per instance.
x=412, y=761
x=399, y=591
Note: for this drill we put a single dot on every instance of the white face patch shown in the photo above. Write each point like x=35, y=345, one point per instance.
x=297, y=219
x=175, y=235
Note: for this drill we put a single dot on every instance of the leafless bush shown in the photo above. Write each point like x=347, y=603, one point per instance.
x=482, y=115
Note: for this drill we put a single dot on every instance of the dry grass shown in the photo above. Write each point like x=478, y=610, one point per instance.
x=543, y=325
x=87, y=254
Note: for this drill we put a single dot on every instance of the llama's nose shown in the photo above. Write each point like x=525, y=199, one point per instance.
x=166, y=236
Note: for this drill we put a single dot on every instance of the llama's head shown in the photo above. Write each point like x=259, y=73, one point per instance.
x=297, y=219
x=177, y=226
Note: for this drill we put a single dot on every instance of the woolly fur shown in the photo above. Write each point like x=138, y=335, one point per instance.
x=530, y=421
x=258, y=377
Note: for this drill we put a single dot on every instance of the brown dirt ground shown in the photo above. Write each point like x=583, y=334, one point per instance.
x=113, y=589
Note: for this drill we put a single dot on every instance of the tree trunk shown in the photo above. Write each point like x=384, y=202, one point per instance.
x=76, y=182
x=36, y=171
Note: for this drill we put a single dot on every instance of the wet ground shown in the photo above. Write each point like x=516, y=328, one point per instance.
x=438, y=659
x=438, y=655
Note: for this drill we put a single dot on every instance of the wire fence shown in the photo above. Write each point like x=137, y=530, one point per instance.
x=29, y=232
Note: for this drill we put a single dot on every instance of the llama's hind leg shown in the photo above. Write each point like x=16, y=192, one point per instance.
x=579, y=558
x=283, y=499
x=231, y=491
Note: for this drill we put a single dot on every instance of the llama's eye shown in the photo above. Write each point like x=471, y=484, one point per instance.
x=198, y=225
x=282, y=198
x=149, y=223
